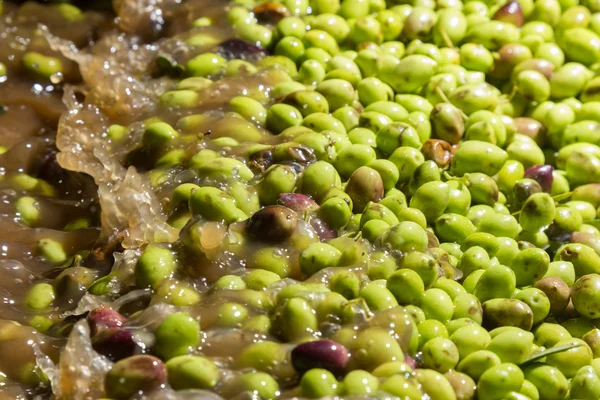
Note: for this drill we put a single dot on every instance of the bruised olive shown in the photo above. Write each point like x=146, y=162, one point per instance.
x=142, y=373
x=510, y=12
x=104, y=317
x=438, y=151
x=364, y=185
x=298, y=202
x=272, y=224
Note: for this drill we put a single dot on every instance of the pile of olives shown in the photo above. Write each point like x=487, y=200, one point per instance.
x=374, y=199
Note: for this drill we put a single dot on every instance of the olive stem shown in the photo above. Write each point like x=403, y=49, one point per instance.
x=545, y=353
x=562, y=196
x=513, y=91
x=441, y=93
x=447, y=176
x=446, y=39
x=306, y=216
x=356, y=236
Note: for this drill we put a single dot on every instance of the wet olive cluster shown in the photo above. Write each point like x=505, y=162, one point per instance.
x=403, y=202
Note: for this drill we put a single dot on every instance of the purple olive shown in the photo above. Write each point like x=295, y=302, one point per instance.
x=237, y=48
x=542, y=174
x=115, y=343
x=298, y=202
x=511, y=12
x=272, y=224
x=323, y=230
x=104, y=317
x=325, y=354
x=128, y=377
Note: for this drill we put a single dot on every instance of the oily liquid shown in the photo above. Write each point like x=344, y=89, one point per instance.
x=30, y=108
x=108, y=70
x=56, y=130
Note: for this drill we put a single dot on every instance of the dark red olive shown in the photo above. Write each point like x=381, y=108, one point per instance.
x=510, y=12
x=272, y=224
x=542, y=174
x=104, y=317
x=115, y=343
x=298, y=202
x=325, y=354
x=237, y=48
x=323, y=230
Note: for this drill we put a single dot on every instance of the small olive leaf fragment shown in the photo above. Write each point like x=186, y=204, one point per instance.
x=562, y=197
x=545, y=353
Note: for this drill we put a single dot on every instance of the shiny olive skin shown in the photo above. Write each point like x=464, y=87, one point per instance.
x=347, y=198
